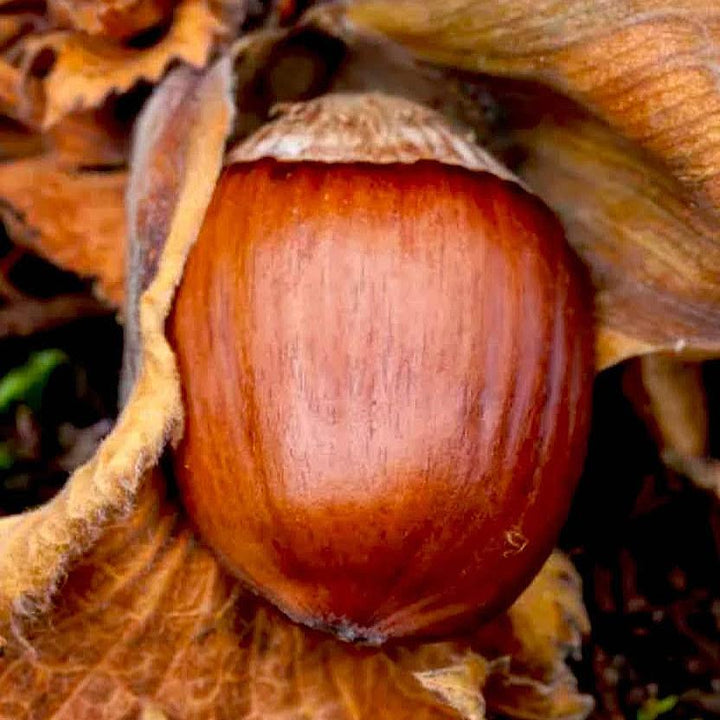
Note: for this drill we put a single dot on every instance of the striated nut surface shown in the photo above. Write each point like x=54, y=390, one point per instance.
x=387, y=374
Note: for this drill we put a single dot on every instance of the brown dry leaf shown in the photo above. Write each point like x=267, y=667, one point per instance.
x=669, y=394
x=549, y=618
x=35, y=548
x=535, y=636
x=89, y=139
x=649, y=68
x=73, y=218
x=10, y=85
x=460, y=686
x=19, y=96
x=87, y=69
x=653, y=255
x=648, y=227
x=677, y=404
x=112, y=18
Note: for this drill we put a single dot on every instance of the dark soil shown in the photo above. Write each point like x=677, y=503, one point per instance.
x=647, y=544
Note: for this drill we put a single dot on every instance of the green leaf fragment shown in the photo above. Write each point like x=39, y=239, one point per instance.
x=7, y=457
x=654, y=707
x=27, y=382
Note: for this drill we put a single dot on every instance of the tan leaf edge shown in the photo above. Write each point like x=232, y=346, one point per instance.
x=45, y=207
x=88, y=69
x=36, y=548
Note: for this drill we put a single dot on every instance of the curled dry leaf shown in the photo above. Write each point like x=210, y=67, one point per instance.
x=460, y=686
x=648, y=68
x=534, y=637
x=89, y=236
x=87, y=69
x=73, y=218
x=10, y=83
x=676, y=404
x=113, y=18
x=647, y=224
x=89, y=139
x=654, y=256
x=19, y=95
x=164, y=628
x=36, y=547
x=670, y=395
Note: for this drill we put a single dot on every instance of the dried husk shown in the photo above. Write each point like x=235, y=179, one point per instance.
x=650, y=245
x=647, y=68
x=653, y=255
x=163, y=629
x=82, y=148
x=323, y=54
x=670, y=395
x=112, y=18
x=90, y=240
x=637, y=185
x=364, y=127
x=36, y=548
x=87, y=69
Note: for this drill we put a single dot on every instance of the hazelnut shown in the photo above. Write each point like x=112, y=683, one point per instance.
x=387, y=369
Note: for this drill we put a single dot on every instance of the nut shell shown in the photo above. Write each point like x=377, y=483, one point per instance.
x=387, y=373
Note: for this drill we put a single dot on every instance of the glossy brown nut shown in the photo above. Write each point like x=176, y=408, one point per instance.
x=387, y=374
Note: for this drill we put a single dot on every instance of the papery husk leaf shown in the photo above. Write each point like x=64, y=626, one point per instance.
x=548, y=621
x=164, y=630
x=544, y=626
x=670, y=395
x=87, y=69
x=88, y=237
x=90, y=139
x=654, y=256
x=10, y=87
x=646, y=223
x=460, y=686
x=648, y=68
x=73, y=218
x=191, y=114
x=20, y=96
x=111, y=18
x=676, y=404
